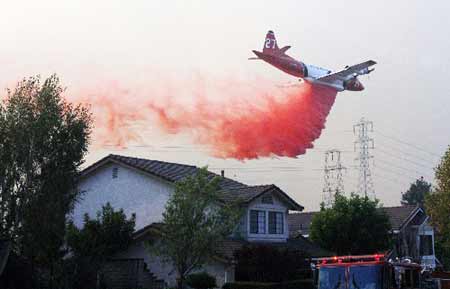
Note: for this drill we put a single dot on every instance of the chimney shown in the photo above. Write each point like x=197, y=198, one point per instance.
x=222, y=173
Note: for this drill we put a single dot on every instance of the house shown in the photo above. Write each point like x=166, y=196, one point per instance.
x=413, y=236
x=143, y=187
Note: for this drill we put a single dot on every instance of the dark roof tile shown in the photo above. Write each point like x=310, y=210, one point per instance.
x=226, y=248
x=398, y=215
x=231, y=190
x=300, y=223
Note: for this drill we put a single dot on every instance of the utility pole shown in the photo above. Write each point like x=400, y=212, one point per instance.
x=333, y=176
x=363, y=144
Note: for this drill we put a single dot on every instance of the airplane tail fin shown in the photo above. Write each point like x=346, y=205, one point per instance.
x=270, y=44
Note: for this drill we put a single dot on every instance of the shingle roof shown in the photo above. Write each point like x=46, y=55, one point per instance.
x=399, y=215
x=226, y=248
x=172, y=172
x=300, y=223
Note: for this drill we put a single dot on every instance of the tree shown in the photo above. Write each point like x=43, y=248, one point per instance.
x=195, y=219
x=416, y=193
x=353, y=225
x=43, y=141
x=437, y=205
x=95, y=242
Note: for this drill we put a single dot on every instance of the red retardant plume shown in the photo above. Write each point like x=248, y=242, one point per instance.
x=115, y=114
x=285, y=126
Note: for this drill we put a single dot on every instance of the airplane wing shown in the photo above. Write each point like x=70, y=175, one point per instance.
x=354, y=70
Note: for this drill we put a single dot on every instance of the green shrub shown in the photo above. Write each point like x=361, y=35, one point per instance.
x=264, y=263
x=201, y=281
x=295, y=284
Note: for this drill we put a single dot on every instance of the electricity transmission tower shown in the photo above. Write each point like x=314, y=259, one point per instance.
x=363, y=144
x=333, y=176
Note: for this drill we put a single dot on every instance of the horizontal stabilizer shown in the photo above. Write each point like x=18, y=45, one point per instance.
x=284, y=49
x=254, y=58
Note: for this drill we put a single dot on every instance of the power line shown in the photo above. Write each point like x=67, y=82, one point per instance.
x=408, y=144
x=389, y=171
x=392, y=172
x=266, y=168
x=414, y=156
x=403, y=168
x=404, y=159
x=385, y=184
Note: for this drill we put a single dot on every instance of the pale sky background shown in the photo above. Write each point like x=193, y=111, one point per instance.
x=407, y=97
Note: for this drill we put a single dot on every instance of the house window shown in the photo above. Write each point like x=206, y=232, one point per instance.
x=115, y=173
x=276, y=223
x=426, y=245
x=257, y=222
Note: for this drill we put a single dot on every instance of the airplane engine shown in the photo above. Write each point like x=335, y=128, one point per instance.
x=353, y=84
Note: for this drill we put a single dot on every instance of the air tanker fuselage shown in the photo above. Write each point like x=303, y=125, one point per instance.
x=342, y=80
x=284, y=63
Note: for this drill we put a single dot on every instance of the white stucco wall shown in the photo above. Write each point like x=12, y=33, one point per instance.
x=161, y=270
x=165, y=271
x=132, y=190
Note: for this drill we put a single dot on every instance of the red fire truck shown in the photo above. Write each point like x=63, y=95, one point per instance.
x=366, y=272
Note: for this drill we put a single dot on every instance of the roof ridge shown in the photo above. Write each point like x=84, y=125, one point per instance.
x=151, y=160
x=172, y=163
x=402, y=207
x=258, y=186
x=308, y=212
x=134, y=162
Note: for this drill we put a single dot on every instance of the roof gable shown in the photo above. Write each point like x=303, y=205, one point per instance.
x=401, y=215
x=252, y=193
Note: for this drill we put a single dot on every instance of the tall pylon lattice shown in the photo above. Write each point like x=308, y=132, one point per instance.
x=363, y=144
x=333, y=176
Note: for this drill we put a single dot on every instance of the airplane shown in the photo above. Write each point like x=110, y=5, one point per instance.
x=346, y=79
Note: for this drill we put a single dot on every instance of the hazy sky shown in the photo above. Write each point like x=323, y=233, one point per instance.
x=407, y=97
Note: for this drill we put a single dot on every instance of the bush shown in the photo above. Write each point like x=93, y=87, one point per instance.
x=264, y=263
x=296, y=284
x=201, y=281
